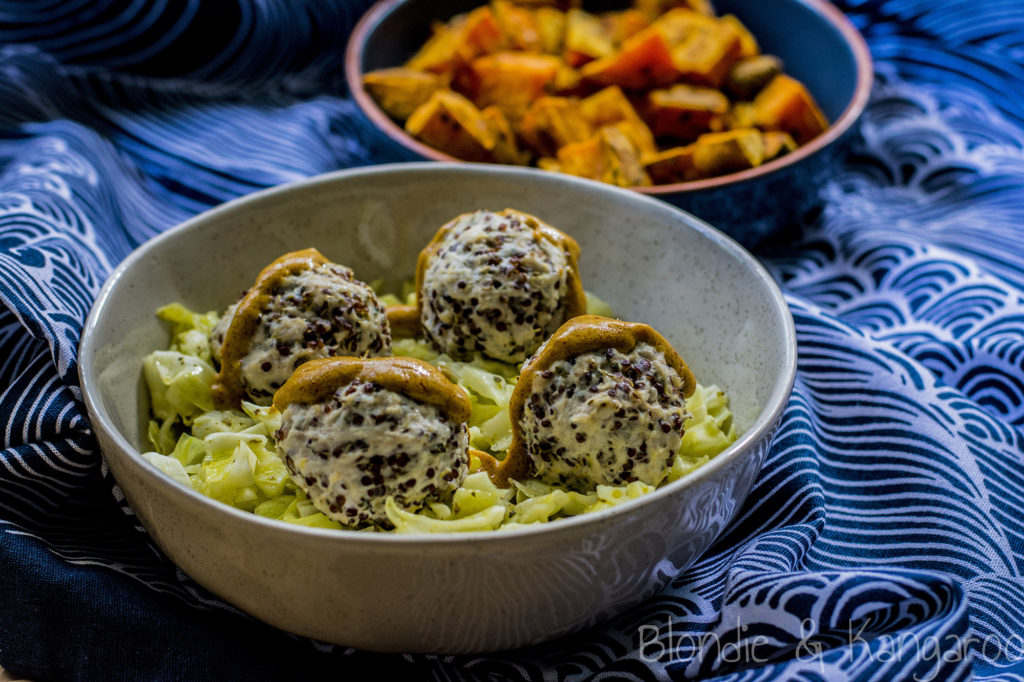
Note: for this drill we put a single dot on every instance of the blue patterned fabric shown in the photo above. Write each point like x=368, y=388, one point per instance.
x=885, y=537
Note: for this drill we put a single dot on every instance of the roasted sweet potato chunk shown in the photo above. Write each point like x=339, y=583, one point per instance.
x=519, y=26
x=553, y=122
x=622, y=25
x=549, y=164
x=506, y=149
x=512, y=81
x=400, y=90
x=611, y=107
x=639, y=135
x=785, y=104
x=456, y=44
x=679, y=24
x=655, y=8
x=672, y=165
x=605, y=106
x=644, y=61
x=585, y=38
x=439, y=53
x=480, y=34
x=567, y=81
x=557, y=4
x=584, y=159
x=551, y=25
x=449, y=122
x=684, y=111
x=748, y=43
x=740, y=115
x=728, y=152
x=624, y=168
x=706, y=55
x=607, y=156
x=777, y=143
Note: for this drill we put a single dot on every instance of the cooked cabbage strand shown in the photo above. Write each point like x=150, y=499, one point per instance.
x=231, y=455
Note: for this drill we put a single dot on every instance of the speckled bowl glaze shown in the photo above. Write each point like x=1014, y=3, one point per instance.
x=446, y=593
x=816, y=42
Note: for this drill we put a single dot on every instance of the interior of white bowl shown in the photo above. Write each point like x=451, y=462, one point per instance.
x=651, y=262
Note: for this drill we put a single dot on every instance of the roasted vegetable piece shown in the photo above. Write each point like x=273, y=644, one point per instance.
x=748, y=43
x=481, y=34
x=777, y=143
x=644, y=61
x=747, y=77
x=621, y=25
x=585, y=38
x=680, y=24
x=608, y=105
x=672, y=165
x=558, y=4
x=728, y=152
x=707, y=54
x=551, y=25
x=449, y=122
x=611, y=107
x=512, y=81
x=400, y=91
x=549, y=164
x=608, y=156
x=519, y=27
x=740, y=115
x=454, y=45
x=584, y=159
x=624, y=167
x=785, y=104
x=567, y=81
x=506, y=150
x=553, y=122
x=440, y=53
x=655, y=8
x=638, y=134
x=684, y=111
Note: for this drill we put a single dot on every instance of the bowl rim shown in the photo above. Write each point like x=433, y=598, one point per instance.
x=832, y=14
x=761, y=428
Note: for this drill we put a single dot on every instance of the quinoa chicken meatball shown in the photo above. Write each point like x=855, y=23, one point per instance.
x=301, y=307
x=603, y=402
x=357, y=431
x=220, y=330
x=498, y=283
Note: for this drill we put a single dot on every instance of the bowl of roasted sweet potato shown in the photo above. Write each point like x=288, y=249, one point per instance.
x=731, y=110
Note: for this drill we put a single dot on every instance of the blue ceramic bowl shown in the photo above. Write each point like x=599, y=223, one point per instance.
x=817, y=43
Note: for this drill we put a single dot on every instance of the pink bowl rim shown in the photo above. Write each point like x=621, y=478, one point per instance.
x=832, y=14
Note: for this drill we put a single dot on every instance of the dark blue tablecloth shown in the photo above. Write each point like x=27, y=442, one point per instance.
x=885, y=537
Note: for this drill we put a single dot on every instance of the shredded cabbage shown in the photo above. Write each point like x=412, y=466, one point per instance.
x=231, y=455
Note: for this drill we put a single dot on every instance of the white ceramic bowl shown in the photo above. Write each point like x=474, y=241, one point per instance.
x=446, y=593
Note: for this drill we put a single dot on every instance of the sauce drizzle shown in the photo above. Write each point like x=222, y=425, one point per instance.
x=403, y=319
x=228, y=388
x=318, y=379
x=579, y=335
